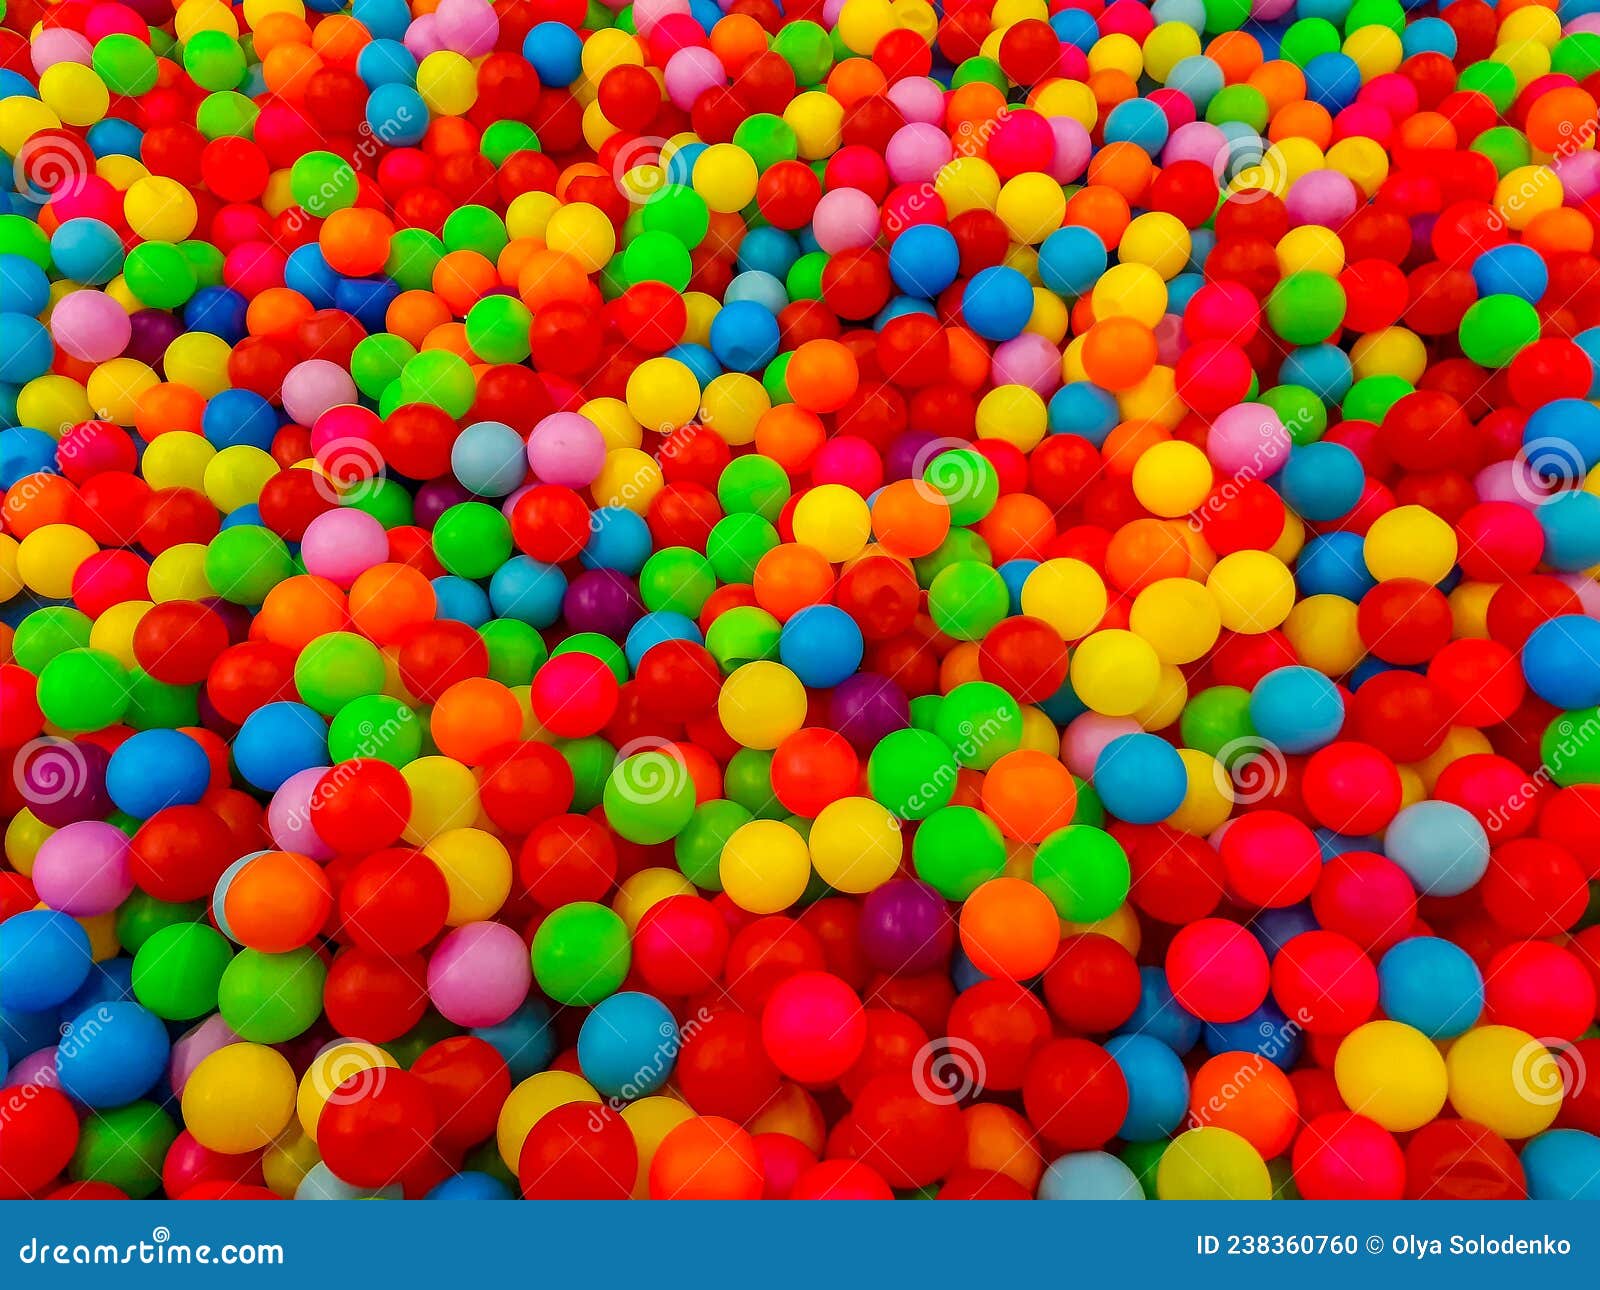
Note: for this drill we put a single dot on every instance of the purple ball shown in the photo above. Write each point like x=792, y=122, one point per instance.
x=604, y=601
x=910, y=446
x=153, y=331
x=64, y=781
x=436, y=497
x=906, y=927
x=866, y=707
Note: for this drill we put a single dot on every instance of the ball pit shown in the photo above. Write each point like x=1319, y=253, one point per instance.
x=845, y=600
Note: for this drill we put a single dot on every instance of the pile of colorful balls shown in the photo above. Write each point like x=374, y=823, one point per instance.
x=800, y=598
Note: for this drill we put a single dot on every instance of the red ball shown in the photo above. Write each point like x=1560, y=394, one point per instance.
x=1366, y=897
x=373, y=996
x=724, y=1070
x=394, y=901
x=995, y=1027
x=1461, y=1160
x=1271, y=859
x=469, y=1081
x=908, y=1137
x=680, y=945
x=1093, y=985
x=839, y=1180
x=360, y=805
x=1351, y=788
x=177, y=641
x=1075, y=1095
x=38, y=1134
x=1345, y=1156
x=1541, y=988
x=813, y=1027
x=371, y=1131
x=528, y=783
x=578, y=1152
x=1218, y=970
x=1326, y=982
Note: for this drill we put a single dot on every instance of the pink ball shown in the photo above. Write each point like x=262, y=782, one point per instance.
x=253, y=267
x=1085, y=739
x=1217, y=970
x=82, y=869
x=346, y=421
x=1322, y=197
x=479, y=974
x=91, y=325
x=1267, y=10
x=36, y=1068
x=849, y=460
x=690, y=73
x=341, y=545
x=1073, y=149
x=1198, y=141
x=196, y=1044
x=1248, y=441
x=55, y=45
x=1345, y=1156
x=845, y=219
x=1022, y=141
x=916, y=151
x=467, y=26
x=423, y=37
x=289, y=816
x=314, y=386
x=1513, y=481
x=813, y=1027
x=1028, y=359
x=919, y=99
x=566, y=448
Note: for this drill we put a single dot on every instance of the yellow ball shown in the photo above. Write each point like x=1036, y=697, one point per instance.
x=582, y=231
x=1391, y=1073
x=287, y=1160
x=529, y=214
x=1324, y=633
x=616, y=424
x=1171, y=478
x=530, y=1102
x=1311, y=249
x=53, y=403
x=1362, y=161
x=650, y=1119
x=967, y=184
x=115, y=388
x=444, y=796
x=863, y=23
x=113, y=630
x=732, y=404
x=765, y=866
x=199, y=360
x=159, y=209
x=1031, y=206
x=1393, y=351
x=448, y=83
x=1178, y=617
x=477, y=870
x=75, y=93
x=235, y=476
x=725, y=176
x=1168, y=45
x=177, y=459
x=1375, y=50
x=1014, y=414
x=49, y=556
x=646, y=888
x=855, y=844
x=1130, y=291
x=630, y=478
x=10, y=575
x=24, y=836
x=1166, y=705
x=1115, y=672
x=1068, y=594
x=330, y=1068
x=1158, y=240
x=239, y=1098
x=1254, y=591
x=1525, y=192
x=1410, y=542
x=816, y=119
x=1212, y=1164
x=1208, y=797
x=1504, y=1079
x=761, y=704
x=663, y=394
x=833, y=519
x=179, y=573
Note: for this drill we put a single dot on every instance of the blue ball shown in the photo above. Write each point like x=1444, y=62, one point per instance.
x=310, y=274
x=234, y=417
x=1429, y=36
x=1275, y=928
x=87, y=251
x=1161, y=1015
x=155, y=769
x=108, y=982
x=528, y=589
x=1198, y=78
x=822, y=645
x=112, y=1054
x=220, y=311
x=25, y=451
x=628, y=1045
x=1561, y=440
x=556, y=52
x=654, y=628
x=768, y=250
x=1084, y=409
x=1333, y=80
x=1139, y=122
x=1589, y=342
x=1333, y=565
x=44, y=958
x=1158, y=1087
x=757, y=286
x=997, y=303
x=1014, y=573
x=490, y=459
x=1297, y=708
x=461, y=600
x=1440, y=845
x=1511, y=270
x=26, y=349
x=25, y=1033
x=1071, y=260
x=618, y=539
x=1266, y=1032
x=279, y=740
x=1140, y=778
x=23, y=284
x=1089, y=1175
x=1571, y=524
x=366, y=299
x=924, y=260
x=1561, y=661
x=1563, y=1164
x=470, y=1185
x=386, y=62
x=385, y=18
x=526, y=1039
x=1322, y=369
x=397, y=115
x=744, y=336
x=1322, y=481
x=1431, y=985
x=1075, y=27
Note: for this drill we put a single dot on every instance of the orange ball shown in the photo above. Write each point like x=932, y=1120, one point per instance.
x=1001, y=1141
x=473, y=718
x=355, y=241
x=277, y=902
x=550, y=276
x=1118, y=353
x=706, y=1158
x=1125, y=167
x=1563, y=229
x=387, y=599
x=1427, y=130
x=1128, y=442
x=960, y=665
x=462, y=278
x=790, y=577
x=300, y=609
x=1280, y=83
x=909, y=519
x=1029, y=794
x=736, y=40
x=1237, y=53
x=1009, y=929
x=413, y=314
x=167, y=407
x=855, y=79
x=1247, y=1094
x=970, y=360
x=277, y=311
x=791, y=436
x=37, y=500
x=1560, y=118
x=1019, y=527
x=822, y=375
x=1146, y=551
x=1302, y=120
x=1103, y=211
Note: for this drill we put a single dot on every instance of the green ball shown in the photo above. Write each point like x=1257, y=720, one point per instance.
x=743, y=634
x=424, y=1035
x=601, y=647
x=968, y=482
x=337, y=667
x=657, y=257
x=497, y=329
x=206, y=261
x=1577, y=55
x=271, y=998
x=322, y=182
x=386, y=500
x=226, y=114
x=649, y=797
x=441, y=379
x=125, y=63
x=1375, y=13
x=159, y=274
x=805, y=46
x=747, y=779
x=980, y=723
x=591, y=760
x=472, y=539
x=581, y=954
x=47, y=632
x=1570, y=749
x=736, y=544
x=1084, y=871
x=374, y=725
x=376, y=362
x=83, y=689
x=141, y=916
x=1505, y=146
x=677, y=579
x=176, y=971
x=516, y=650
x=775, y=379
x=1089, y=809
x=1215, y=718
x=245, y=562
x=214, y=60
x=967, y=600
x=925, y=711
x=476, y=228
x=125, y=1147
x=1143, y=1158
x=155, y=705
x=678, y=211
x=1370, y=398
x=768, y=139
x=755, y=485
x=804, y=280
x=1225, y=15
x=956, y=850
x=1307, y=38
x=1306, y=308
x=503, y=138
x=959, y=545
x=1243, y=103
x=698, y=849
x=1496, y=328
x=1301, y=412
x=414, y=253
x=979, y=70
x=1496, y=81
x=912, y=773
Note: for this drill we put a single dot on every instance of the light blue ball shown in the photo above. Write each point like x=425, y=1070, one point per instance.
x=1571, y=524
x=770, y=251
x=618, y=539
x=744, y=336
x=490, y=459
x=155, y=769
x=822, y=645
x=26, y=349
x=924, y=260
x=1297, y=708
x=1071, y=260
x=1083, y=409
x=23, y=284
x=321, y=1183
x=1440, y=845
x=526, y=1039
x=277, y=741
x=87, y=251
x=1089, y=1175
x=527, y=589
x=397, y=115
x=1322, y=481
x=44, y=958
x=1158, y=1087
x=1563, y=1164
x=654, y=628
x=1431, y=985
x=556, y=52
x=1140, y=778
x=112, y=1054
x=757, y=286
x=1561, y=661
x=628, y=1045
x=461, y=600
x=386, y=62
x=1160, y=1015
